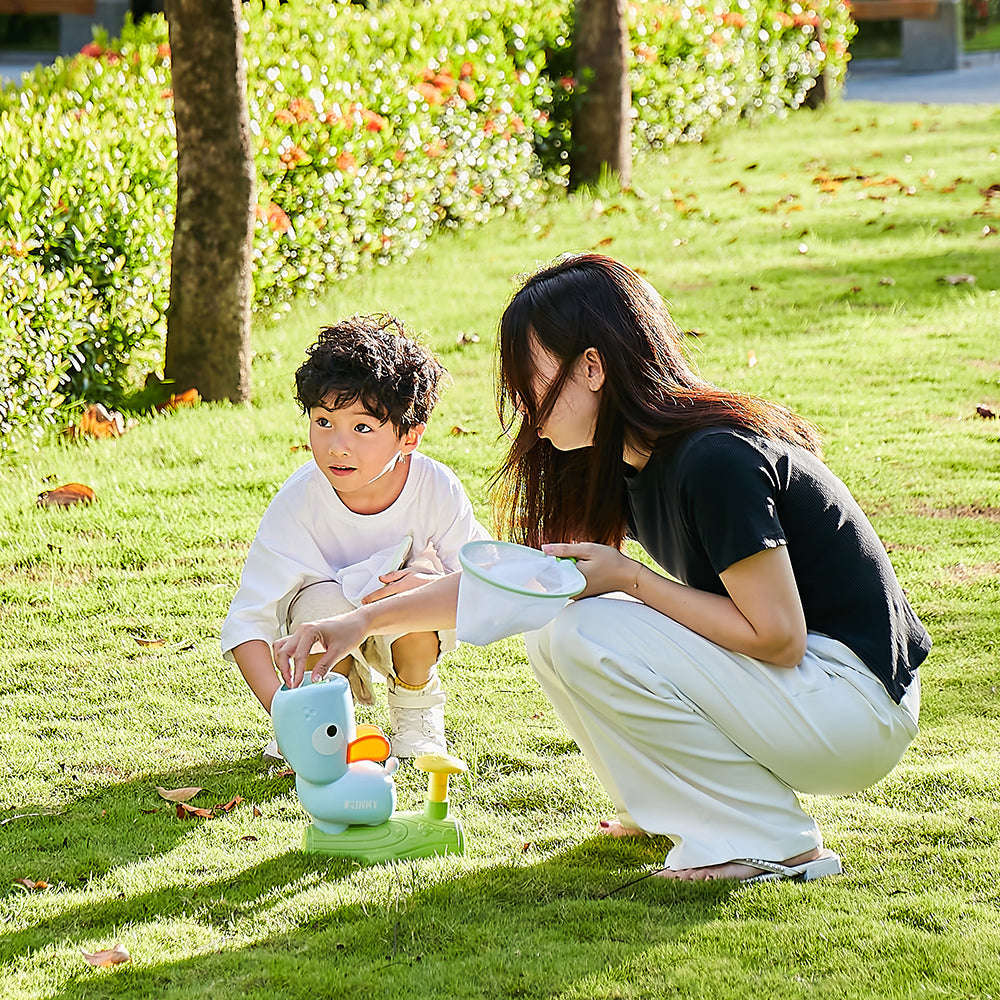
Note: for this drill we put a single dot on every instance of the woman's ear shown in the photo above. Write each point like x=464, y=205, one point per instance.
x=593, y=369
x=411, y=439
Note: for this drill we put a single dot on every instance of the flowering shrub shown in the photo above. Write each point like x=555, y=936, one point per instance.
x=373, y=127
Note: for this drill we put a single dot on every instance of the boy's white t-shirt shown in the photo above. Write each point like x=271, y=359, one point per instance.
x=308, y=535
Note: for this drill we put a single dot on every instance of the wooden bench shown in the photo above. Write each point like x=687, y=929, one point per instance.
x=930, y=31
x=48, y=6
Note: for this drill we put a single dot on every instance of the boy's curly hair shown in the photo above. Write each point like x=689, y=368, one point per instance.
x=371, y=359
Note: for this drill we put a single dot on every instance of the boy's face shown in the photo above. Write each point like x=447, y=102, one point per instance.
x=360, y=456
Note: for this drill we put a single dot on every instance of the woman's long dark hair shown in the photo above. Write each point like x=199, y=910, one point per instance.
x=651, y=395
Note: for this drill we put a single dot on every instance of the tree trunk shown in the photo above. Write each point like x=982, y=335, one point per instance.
x=602, y=115
x=208, y=323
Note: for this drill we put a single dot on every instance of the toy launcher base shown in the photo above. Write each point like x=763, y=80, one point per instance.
x=403, y=835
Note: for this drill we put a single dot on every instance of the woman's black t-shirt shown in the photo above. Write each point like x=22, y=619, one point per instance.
x=723, y=494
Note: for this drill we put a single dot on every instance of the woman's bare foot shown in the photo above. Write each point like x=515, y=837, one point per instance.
x=731, y=869
x=615, y=828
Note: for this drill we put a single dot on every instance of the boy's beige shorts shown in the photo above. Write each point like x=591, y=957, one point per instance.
x=326, y=599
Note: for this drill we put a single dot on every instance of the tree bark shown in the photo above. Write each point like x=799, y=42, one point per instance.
x=602, y=115
x=208, y=322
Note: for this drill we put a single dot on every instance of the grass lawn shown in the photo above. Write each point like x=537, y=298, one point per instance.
x=846, y=263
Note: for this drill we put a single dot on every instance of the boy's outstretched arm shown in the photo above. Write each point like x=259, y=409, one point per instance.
x=257, y=666
x=430, y=608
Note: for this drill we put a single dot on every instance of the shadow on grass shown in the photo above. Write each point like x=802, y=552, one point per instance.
x=510, y=930
x=505, y=931
x=129, y=823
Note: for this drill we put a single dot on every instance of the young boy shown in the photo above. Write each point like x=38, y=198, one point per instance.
x=368, y=516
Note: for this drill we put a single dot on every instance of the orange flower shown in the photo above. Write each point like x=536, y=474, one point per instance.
x=645, y=54
x=284, y=116
x=399, y=155
x=717, y=39
x=346, y=163
x=373, y=122
x=567, y=82
x=429, y=92
x=163, y=51
x=167, y=95
x=302, y=109
x=466, y=71
x=466, y=92
x=93, y=50
x=734, y=20
x=784, y=19
x=277, y=219
x=435, y=149
x=443, y=81
x=293, y=155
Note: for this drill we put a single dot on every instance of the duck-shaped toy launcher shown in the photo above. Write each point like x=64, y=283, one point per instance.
x=343, y=777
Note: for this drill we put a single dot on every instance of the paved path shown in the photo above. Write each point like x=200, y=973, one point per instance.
x=977, y=81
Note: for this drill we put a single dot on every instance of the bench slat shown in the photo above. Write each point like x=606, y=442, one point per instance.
x=47, y=6
x=892, y=10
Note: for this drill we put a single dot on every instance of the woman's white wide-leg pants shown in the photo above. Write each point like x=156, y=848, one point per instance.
x=709, y=746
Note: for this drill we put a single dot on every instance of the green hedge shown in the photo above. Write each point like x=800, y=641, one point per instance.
x=373, y=128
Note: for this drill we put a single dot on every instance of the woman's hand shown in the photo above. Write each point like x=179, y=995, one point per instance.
x=607, y=570
x=398, y=581
x=336, y=637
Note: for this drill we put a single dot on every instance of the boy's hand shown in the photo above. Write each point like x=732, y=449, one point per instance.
x=337, y=636
x=399, y=580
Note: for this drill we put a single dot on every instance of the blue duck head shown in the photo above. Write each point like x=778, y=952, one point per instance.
x=314, y=724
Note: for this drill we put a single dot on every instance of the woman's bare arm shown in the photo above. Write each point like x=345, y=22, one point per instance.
x=429, y=608
x=761, y=615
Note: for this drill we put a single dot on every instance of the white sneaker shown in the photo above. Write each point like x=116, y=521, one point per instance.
x=416, y=719
x=271, y=753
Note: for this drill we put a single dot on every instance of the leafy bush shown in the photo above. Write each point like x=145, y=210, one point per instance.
x=373, y=127
x=46, y=314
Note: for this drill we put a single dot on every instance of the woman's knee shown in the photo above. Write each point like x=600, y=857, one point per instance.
x=564, y=645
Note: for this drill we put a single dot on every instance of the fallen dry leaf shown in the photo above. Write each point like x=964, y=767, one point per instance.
x=178, y=794
x=142, y=641
x=958, y=279
x=113, y=956
x=751, y=359
x=31, y=884
x=99, y=422
x=459, y=431
x=467, y=338
x=190, y=397
x=184, y=811
x=989, y=231
x=66, y=496
x=986, y=411
x=887, y=281
x=300, y=447
x=606, y=242
x=257, y=812
x=231, y=804
x=250, y=837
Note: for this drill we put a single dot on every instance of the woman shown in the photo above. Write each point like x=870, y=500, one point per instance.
x=785, y=658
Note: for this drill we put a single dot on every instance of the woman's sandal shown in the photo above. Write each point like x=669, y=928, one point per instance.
x=827, y=863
